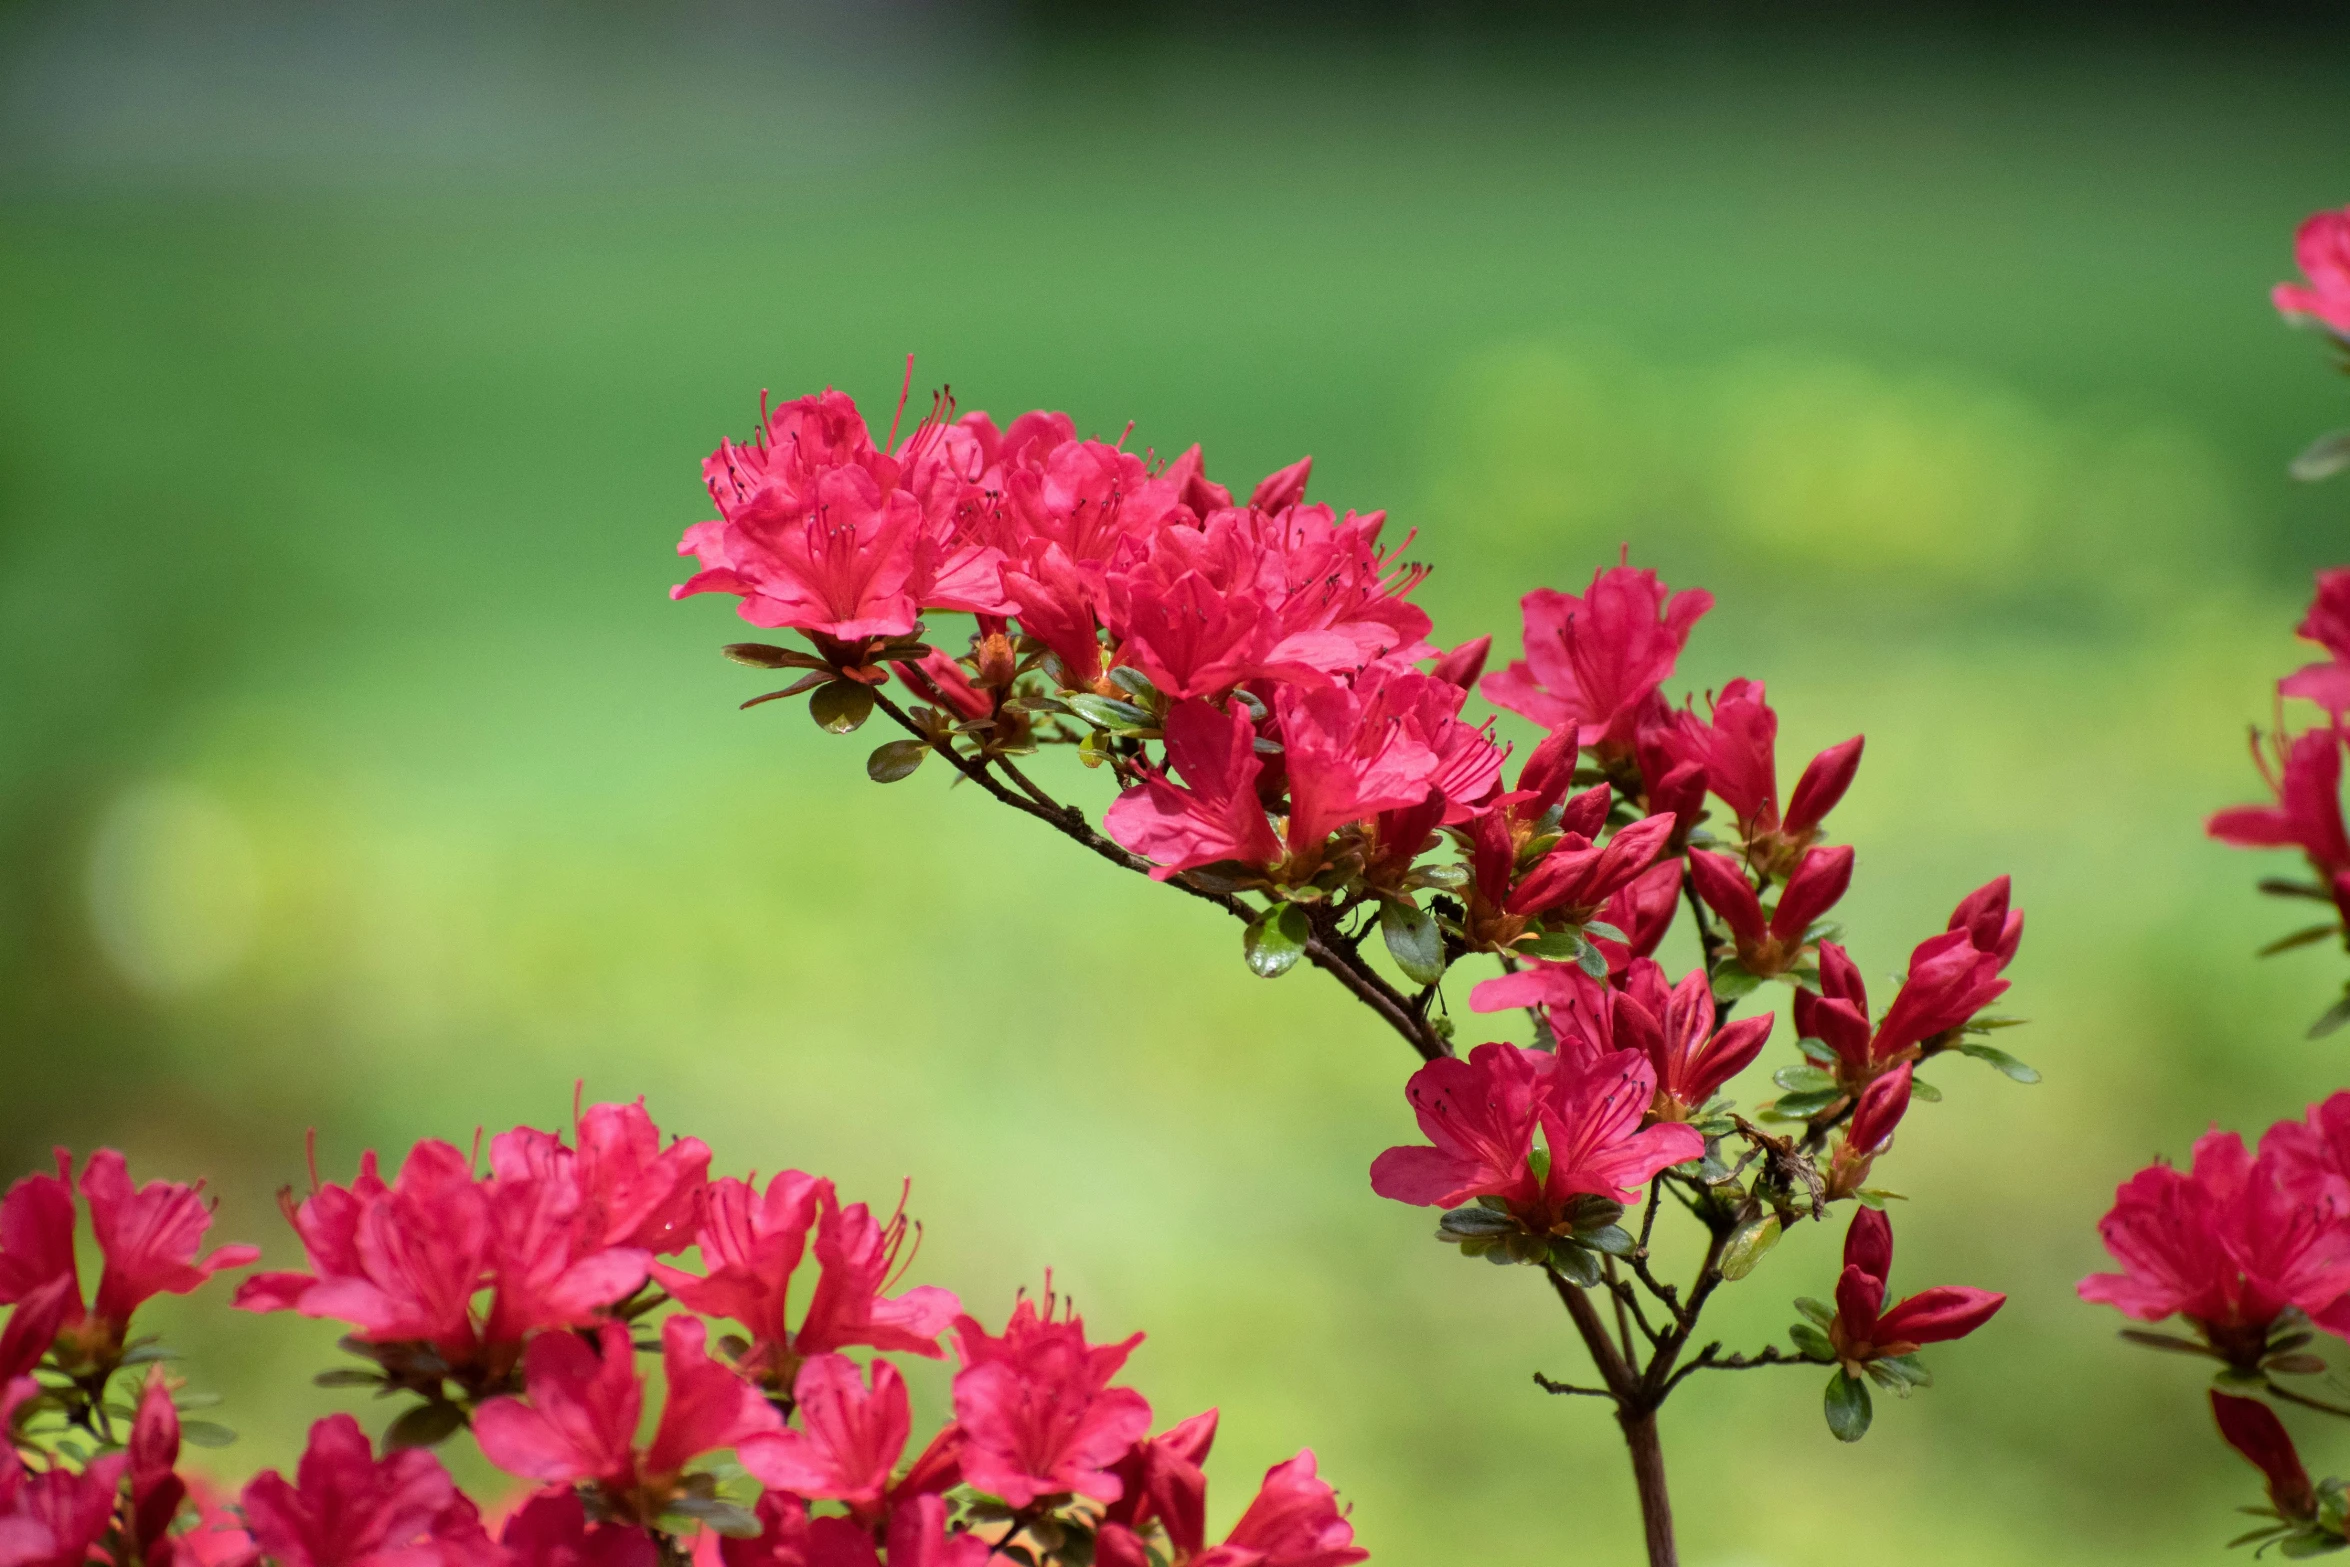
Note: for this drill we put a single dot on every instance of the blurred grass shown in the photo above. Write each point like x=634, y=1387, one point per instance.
x=337, y=489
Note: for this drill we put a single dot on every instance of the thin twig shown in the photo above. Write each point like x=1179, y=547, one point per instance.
x=1548, y=1386
x=2306, y=1402
x=1711, y=1358
x=1618, y=1289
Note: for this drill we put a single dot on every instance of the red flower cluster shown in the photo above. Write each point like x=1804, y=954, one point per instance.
x=2322, y=248
x=512, y=1301
x=2304, y=771
x=2248, y=1248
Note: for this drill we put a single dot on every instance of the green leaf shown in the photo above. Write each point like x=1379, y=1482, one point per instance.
x=1592, y=1212
x=1559, y=946
x=1604, y=929
x=2303, y=1365
x=2283, y=887
x=1592, y=961
x=1574, y=1264
x=1613, y=1239
x=2181, y=1346
x=1413, y=940
x=422, y=1426
x=2335, y=1016
x=1998, y=1058
x=144, y=1354
x=1476, y=1221
x=2324, y=457
x=2269, y=1532
x=1847, y=1404
x=1817, y=1051
x=1733, y=981
x=1901, y=1372
x=1819, y=1311
x=736, y=1523
x=765, y=655
x=895, y=759
x=2301, y=938
x=1275, y=940
x=1803, y=1079
x=348, y=1376
x=2309, y=1542
x=1107, y=712
x=2229, y=1380
x=1812, y=1343
x=1797, y=1107
x=205, y=1433
x=1133, y=682
x=1920, y=1089
x=804, y=683
x=841, y=705
x=1747, y=1245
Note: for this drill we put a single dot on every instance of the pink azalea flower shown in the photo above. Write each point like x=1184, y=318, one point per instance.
x=2327, y=623
x=1577, y=877
x=1038, y=1414
x=552, y=1530
x=150, y=1238
x=1346, y=761
x=1771, y=944
x=1674, y=1027
x=558, y=1236
x=346, y=1509
x=1215, y=814
x=2226, y=1244
x=1738, y=752
x=2308, y=812
x=2322, y=247
x=1592, y=663
x=752, y=1245
x=820, y=531
x=584, y=1399
x=850, y=1438
x=156, y=1489
x=1643, y=909
x=1161, y=1480
x=1864, y=1329
x=2253, y=1429
x=1869, y=1132
x=1294, y=1521
x=1480, y=1116
x=57, y=1517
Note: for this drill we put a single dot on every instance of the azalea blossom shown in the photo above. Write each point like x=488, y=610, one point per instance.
x=1293, y=1521
x=1865, y=1329
x=584, y=1399
x=2322, y=248
x=552, y=1530
x=1593, y=663
x=2307, y=780
x=1737, y=751
x=2253, y=1429
x=752, y=1246
x=2227, y=1244
x=1480, y=1116
x=1037, y=1410
x=1215, y=814
x=850, y=1437
x=2327, y=624
x=346, y=1508
x=150, y=1237
x=1771, y=943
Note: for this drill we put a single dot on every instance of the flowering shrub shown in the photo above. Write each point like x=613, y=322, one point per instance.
x=2250, y=1250
x=516, y=1303
x=1286, y=740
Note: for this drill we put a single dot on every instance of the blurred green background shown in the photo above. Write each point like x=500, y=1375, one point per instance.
x=356, y=773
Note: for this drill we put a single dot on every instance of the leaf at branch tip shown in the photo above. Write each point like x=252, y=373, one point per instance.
x=764, y=655
x=1999, y=1059
x=1476, y=1221
x=1919, y=1088
x=2284, y=887
x=2324, y=457
x=1819, y=1311
x=348, y=1376
x=1604, y=930
x=1275, y=940
x=895, y=760
x=1847, y=1405
x=1613, y=1239
x=1803, y=1079
x=1733, y=981
x=1119, y=718
x=1592, y=961
x=1413, y=941
x=1133, y=682
x=1747, y=1245
x=1575, y=1264
x=2181, y=1346
x=2301, y=938
x=841, y=705
x=720, y=1517
x=804, y=683
x=2303, y=1365
x=1812, y=1344
x=2335, y=1016
x=205, y=1433
x=422, y=1426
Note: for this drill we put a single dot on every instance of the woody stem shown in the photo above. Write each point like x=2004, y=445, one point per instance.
x=1349, y=969
x=1637, y=1397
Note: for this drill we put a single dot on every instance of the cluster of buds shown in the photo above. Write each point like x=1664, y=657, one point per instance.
x=516, y=1303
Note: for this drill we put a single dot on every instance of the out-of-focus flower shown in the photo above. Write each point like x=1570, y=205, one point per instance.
x=346, y=1509
x=2322, y=248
